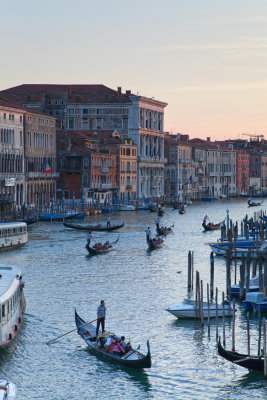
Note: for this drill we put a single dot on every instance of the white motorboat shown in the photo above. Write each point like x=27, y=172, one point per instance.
x=12, y=303
x=239, y=252
x=187, y=309
x=8, y=390
x=127, y=207
x=12, y=235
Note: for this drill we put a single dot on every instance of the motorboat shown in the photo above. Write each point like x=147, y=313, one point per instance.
x=255, y=301
x=8, y=389
x=12, y=303
x=187, y=309
x=253, y=286
x=127, y=207
x=13, y=235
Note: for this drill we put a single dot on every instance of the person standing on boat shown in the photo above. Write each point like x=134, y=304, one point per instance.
x=89, y=237
x=21, y=283
x=108, y=222
x=205, y=219
x=148, y=234
x=157, y=223
x=101, y=316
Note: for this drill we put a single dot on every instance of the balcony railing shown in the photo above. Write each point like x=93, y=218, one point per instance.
x=128, y=187
x=106, y=186
x=105, y=170
x=40, y=175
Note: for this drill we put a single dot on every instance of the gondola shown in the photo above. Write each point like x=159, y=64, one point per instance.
x=182, y=211
x=254, y=203
x=155, y=243
x=95, y=251
x=153, y=208
x=100, y=228
x=255, y=363
x=161, y=211
x=163, y=230
x=211, y=227
x=132, y=359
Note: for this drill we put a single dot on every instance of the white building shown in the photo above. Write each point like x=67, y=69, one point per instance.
x=12, y=179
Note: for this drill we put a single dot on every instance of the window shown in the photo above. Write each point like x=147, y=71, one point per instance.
x=128, y=152
x=21, y=138
x=4, y=115
x=125, y=123
x=52, y=123
x=29, y=139
x=71, y=123
x=20, y=118
x=71, y=110
x=85, y=110
x=99, y=111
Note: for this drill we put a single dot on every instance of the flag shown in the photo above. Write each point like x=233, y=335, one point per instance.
x=48, y=166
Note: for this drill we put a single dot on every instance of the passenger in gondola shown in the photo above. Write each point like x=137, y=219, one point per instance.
x=117, y=349
x=122, y=342
x=148, y=234
x=21, y=283
x=108, y=222
x=106, y=245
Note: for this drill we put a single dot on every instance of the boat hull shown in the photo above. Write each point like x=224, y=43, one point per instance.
x=84, y=227
x=183, y=312
x=243, y=360
x=141, y=360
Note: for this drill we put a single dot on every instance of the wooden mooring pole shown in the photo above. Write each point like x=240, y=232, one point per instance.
x=233, y=328
x=211, y=275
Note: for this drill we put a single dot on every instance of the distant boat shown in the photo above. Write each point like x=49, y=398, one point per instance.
x=58, y=217
x=255, y=301
x=97, y=228
x=208, y=199
x=101, y=249
x=127, y=207
x=13, y=235
x=187, y=309
x=254, y=203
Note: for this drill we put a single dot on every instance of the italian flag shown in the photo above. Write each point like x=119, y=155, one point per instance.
x=48, y=166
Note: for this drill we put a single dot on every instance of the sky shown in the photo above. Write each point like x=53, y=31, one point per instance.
x=206, y=58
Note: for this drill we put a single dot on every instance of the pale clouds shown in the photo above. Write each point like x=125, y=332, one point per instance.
x=222, y=87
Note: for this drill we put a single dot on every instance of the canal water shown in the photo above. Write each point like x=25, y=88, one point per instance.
x=137, y=286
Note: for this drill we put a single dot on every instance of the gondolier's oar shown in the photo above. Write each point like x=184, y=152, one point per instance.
x=86, y=323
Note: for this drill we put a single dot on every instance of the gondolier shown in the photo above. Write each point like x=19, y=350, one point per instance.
x=108, y=222
x=157, y=223
x=148, y=234
x=101, y=315
x=89, y=237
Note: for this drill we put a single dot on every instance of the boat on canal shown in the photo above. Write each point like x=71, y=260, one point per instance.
x=255, y=301
x=253, y=286
x=127, y=207
x=155, y=243
x=163, y=230
x=60, y=217
x=97, y=228
x=255, y=363
x=254, y=203
x=187, y=309
x=8, y=389
x=132, y=359
x=239, y=251
x=12, y=303
x=211, y=226
x=99, y=248
x=13, y=235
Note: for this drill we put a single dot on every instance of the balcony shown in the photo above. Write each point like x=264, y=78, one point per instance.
x=129, y=187
x=149, y=159
x=40, y=175
x=106, y=186
x=105, y=170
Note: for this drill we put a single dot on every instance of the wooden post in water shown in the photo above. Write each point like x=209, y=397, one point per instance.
x=196, y=295
x=208, y=300
x=223, y=317
x=259, y=339
x=265, y=277
x=264, y=348
x=228, y=273
x=260, y=276
x=233, y=328
x=248, y=332
x=242, y=279
x=254, y=267
x=248, y=271
x=189, y=271
x=201, y=293
x=242, y=228
x=192, y=264
x=216, y=300
x=211, y=274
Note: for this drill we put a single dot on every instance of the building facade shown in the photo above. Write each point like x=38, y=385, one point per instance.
x=40, y=158
x=12, y=184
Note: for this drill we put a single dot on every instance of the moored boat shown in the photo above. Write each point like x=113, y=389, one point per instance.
x=254, y=203
x=253, y=286
x=8, y=389
x=255, y=301
x=12, y=303
x=99, y=248
x=187, y=309
x=132, y=358
x=59, y=217
x=255, y=363
x=127, y=207
x=99, y=227
x=12, y=235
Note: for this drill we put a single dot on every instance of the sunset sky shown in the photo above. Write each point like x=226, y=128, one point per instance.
x=207, y=59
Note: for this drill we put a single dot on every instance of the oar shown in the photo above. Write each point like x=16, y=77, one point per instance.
x=86, y=323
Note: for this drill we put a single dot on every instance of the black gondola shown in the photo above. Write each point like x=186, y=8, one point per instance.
x=153, y=208
x=155, y=243
x=133, y=358
x=254, y=203
x=182, y=210
x=100, y=228
x=163, y=230
x=211, y=227
x=95, y=251
x=161, y=211
x=255, y=363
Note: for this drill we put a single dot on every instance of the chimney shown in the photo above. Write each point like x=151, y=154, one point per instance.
x=119, y=89
x=69, y=92
x=128, y=92
x=208, y=139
